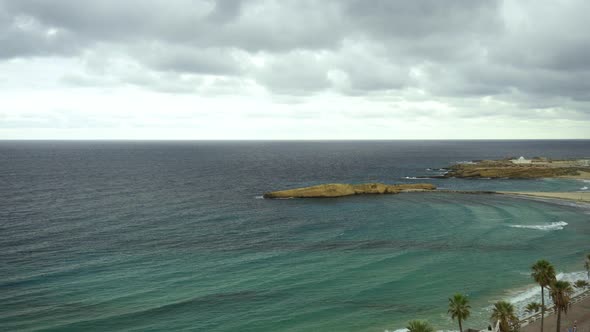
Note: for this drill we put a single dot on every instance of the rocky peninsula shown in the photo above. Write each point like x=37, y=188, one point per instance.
x=521, y=168
x=342, y=189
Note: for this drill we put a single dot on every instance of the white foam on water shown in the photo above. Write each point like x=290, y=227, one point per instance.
x=262, y=197
x=406, y=330
x=520, y=298
x=584, y=188
x=554, y=226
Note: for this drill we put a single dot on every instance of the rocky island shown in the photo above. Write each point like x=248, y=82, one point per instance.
x=342, y=189
x=522, y=168
x=509, y=168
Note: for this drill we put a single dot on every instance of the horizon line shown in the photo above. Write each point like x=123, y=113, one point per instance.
x=278, y=140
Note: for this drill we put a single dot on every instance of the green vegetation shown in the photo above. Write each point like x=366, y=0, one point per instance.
x=419, y=326
x=459, y=309
x=504, y=312
x=533, y=307
x=561, y=292
x=544, y=275
x=581, y=284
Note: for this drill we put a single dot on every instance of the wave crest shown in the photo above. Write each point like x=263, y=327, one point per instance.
x=554, y=226
x=520, y=298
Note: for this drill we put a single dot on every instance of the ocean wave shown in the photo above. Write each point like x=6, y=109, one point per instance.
x=417, y=177
x=554, y=226
x=584, y=188
x=258, y=197
x=520, y=298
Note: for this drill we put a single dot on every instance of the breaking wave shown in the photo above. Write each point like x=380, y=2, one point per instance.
x=520, y=298
x=554, y=226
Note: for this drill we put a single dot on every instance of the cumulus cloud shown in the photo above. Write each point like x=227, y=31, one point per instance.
x=514, y=59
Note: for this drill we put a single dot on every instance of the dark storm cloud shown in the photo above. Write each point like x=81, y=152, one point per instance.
x=525, y=52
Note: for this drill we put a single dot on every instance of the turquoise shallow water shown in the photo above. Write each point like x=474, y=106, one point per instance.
x=172, y=237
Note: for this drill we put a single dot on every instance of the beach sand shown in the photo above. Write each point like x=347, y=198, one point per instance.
x=570, y=196
x=579, y=312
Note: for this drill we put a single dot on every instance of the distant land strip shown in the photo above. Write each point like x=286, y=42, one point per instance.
x=570, y=196
x=339, y=190
x=521, y=168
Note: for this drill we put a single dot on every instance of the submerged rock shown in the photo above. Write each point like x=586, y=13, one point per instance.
x=342, y=189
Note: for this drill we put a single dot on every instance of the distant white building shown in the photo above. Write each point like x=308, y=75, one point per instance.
x=521, y=160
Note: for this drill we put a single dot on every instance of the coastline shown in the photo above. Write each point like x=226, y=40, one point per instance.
x=582, y=175
x=579, y=312
x=583, y=197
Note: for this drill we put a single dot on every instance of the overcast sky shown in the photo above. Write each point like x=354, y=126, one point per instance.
x=294, y=69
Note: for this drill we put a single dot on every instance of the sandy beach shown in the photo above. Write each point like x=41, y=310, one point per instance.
x=579, y=312
x=570, y=196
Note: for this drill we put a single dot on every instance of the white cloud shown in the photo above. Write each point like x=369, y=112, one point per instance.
x=294, y=69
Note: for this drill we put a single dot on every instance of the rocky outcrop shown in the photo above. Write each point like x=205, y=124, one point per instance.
x=341, y=189
x=511, y=171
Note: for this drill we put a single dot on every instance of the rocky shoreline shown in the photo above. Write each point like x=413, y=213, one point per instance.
x=333, y=190
x=520, y=169
x=342, y=189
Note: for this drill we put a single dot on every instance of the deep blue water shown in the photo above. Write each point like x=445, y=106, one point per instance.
x=171, y=236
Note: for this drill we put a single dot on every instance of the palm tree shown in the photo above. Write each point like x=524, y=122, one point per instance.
x=459, y=308
x=504, y=312
x=419, y=326
x=533, y=307
x=561, y=292
x=581, y=284
x=544, y=275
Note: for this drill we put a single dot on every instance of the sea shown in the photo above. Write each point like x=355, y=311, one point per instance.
x=175, y=235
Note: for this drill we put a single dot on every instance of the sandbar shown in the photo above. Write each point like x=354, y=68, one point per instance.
x=570, y=196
